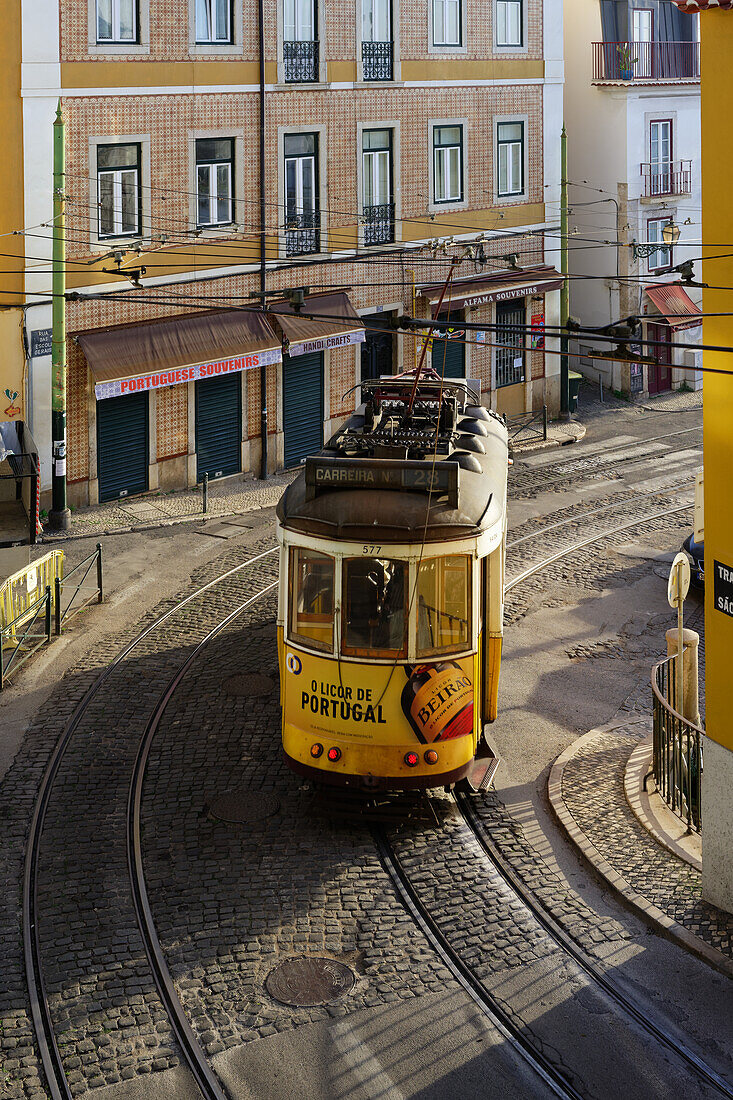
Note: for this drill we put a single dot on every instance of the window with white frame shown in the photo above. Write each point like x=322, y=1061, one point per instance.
x=661, y=258
x=213, y=21
x=446, y=22
x=118, y=190
x=378, y=207
x=447, y=164
x=302, y=218
x=300, y=21
x=510, y=158
x=117, y=21
x=509, y=23
x=300, y=41
x=214, y=181
x=376, y=21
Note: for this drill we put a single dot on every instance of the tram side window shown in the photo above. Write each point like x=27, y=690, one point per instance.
x=444, y=605
x=375, y=607
x=311, y=598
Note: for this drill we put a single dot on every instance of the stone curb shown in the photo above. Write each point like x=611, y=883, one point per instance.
x=641, y=905
x=170, y=521
x=637, y=766
x=545, y=445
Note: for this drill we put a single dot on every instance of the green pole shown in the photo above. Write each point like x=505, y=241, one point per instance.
x=59, y=516
x=565, y=292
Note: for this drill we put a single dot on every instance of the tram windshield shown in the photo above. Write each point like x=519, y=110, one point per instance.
x=444, y=605
x=311, y=598
x=375, y=607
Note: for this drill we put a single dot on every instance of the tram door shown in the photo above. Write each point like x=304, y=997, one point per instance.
x=302, y=406
x=491, y=615
x=449, y=346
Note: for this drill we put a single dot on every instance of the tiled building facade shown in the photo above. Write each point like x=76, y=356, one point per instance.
x=401, y=139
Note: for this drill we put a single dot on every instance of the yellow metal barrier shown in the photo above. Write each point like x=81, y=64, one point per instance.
x=21, y=591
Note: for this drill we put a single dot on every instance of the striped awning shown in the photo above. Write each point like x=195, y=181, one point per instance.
x=675, y=304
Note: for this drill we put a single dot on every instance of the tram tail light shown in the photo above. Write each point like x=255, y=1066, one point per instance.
x=334, y=754
x=431, y=757
x=412, y=759
x=316, y=750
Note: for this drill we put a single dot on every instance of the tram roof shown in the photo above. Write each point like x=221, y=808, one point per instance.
x=338, y=509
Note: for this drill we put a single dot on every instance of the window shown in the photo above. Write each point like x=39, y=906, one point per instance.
x=661, y=258
x=510, y=157
x=213, y=21
x=377, y=179
x=446, y=22
x=118, y=190
x=660, y=155
x=642, y=22
x=375, y=607
x=116, y=21
x=302, y=217
x=300, y=45
x=509, y=29
x=214, y=179
x=447, y=164
x=311, y=598
x=443, y=605
x=510, y=322
x=376, y=39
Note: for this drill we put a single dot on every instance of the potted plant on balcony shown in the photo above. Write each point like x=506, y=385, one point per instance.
x=625, y=61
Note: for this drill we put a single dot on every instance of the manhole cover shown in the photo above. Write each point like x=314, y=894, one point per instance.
x=244, y=807
x=249, y=684
x=309, y=981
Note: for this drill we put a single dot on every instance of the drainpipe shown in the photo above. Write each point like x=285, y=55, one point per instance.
x=263, y=245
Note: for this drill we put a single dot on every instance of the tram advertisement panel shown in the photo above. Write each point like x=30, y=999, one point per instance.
x=386, y=704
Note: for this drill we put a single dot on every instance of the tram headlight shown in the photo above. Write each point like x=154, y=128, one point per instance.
x=412, y=759
x=316, y=750
x=334, y=754
x=431, y=757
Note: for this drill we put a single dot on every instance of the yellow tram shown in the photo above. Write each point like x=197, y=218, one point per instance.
x=391, y=592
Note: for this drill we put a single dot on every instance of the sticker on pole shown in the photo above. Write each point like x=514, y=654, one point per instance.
x=679, y=580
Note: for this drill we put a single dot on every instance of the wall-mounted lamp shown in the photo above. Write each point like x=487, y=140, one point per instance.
x=670, y=236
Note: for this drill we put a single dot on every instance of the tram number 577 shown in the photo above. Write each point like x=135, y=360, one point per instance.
x=371, y=551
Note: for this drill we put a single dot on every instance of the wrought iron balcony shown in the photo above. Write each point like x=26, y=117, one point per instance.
x=646, y=62
x=303, y=233
x=673, y=178
x=379, y=224
x=376, y=60
x=301, y=62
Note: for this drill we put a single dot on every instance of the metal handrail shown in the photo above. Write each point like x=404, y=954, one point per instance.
x=516, y=425
x=644, y=62
x=677, y=749
x=18, y=640
x=97, y=592
x=673, y=177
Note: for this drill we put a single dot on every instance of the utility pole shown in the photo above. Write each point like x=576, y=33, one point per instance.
x=565, y=291
x=263, y=241
x=59, y=517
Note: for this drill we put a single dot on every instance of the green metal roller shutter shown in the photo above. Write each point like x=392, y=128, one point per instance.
x=122, y=445
x=302, y=406
x=454, y=350
x=219, y=426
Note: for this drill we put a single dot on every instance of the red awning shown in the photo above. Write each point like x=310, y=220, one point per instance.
x=675, y=304
x=495, y=287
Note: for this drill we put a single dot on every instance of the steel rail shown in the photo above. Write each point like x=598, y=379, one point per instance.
x=506, y=1025
x=40, y=1011
x=581, y=957
x=596, y=511
x=538, y=566
x=196, y=1059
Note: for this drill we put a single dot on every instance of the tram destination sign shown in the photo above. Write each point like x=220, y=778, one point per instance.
x=723, y=588
x=324, y=474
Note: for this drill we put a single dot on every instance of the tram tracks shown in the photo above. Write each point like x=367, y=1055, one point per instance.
x=32, y=916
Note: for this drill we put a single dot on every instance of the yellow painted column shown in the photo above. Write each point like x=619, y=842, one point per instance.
x=716, y=28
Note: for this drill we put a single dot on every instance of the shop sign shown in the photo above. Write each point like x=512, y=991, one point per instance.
x=537, y=331
x=325, y=343
x=180, y=375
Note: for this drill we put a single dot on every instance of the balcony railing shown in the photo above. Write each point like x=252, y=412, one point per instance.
x=303, y=233
x=677, y=749
x=645, y=62
x=674, y=178
x=376, y=60
x=379, y=223
x=301, y=62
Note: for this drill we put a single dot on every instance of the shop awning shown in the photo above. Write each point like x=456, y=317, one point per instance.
x=325, y=321
x=495, y=287
x=675, y=305
x=130, y=358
